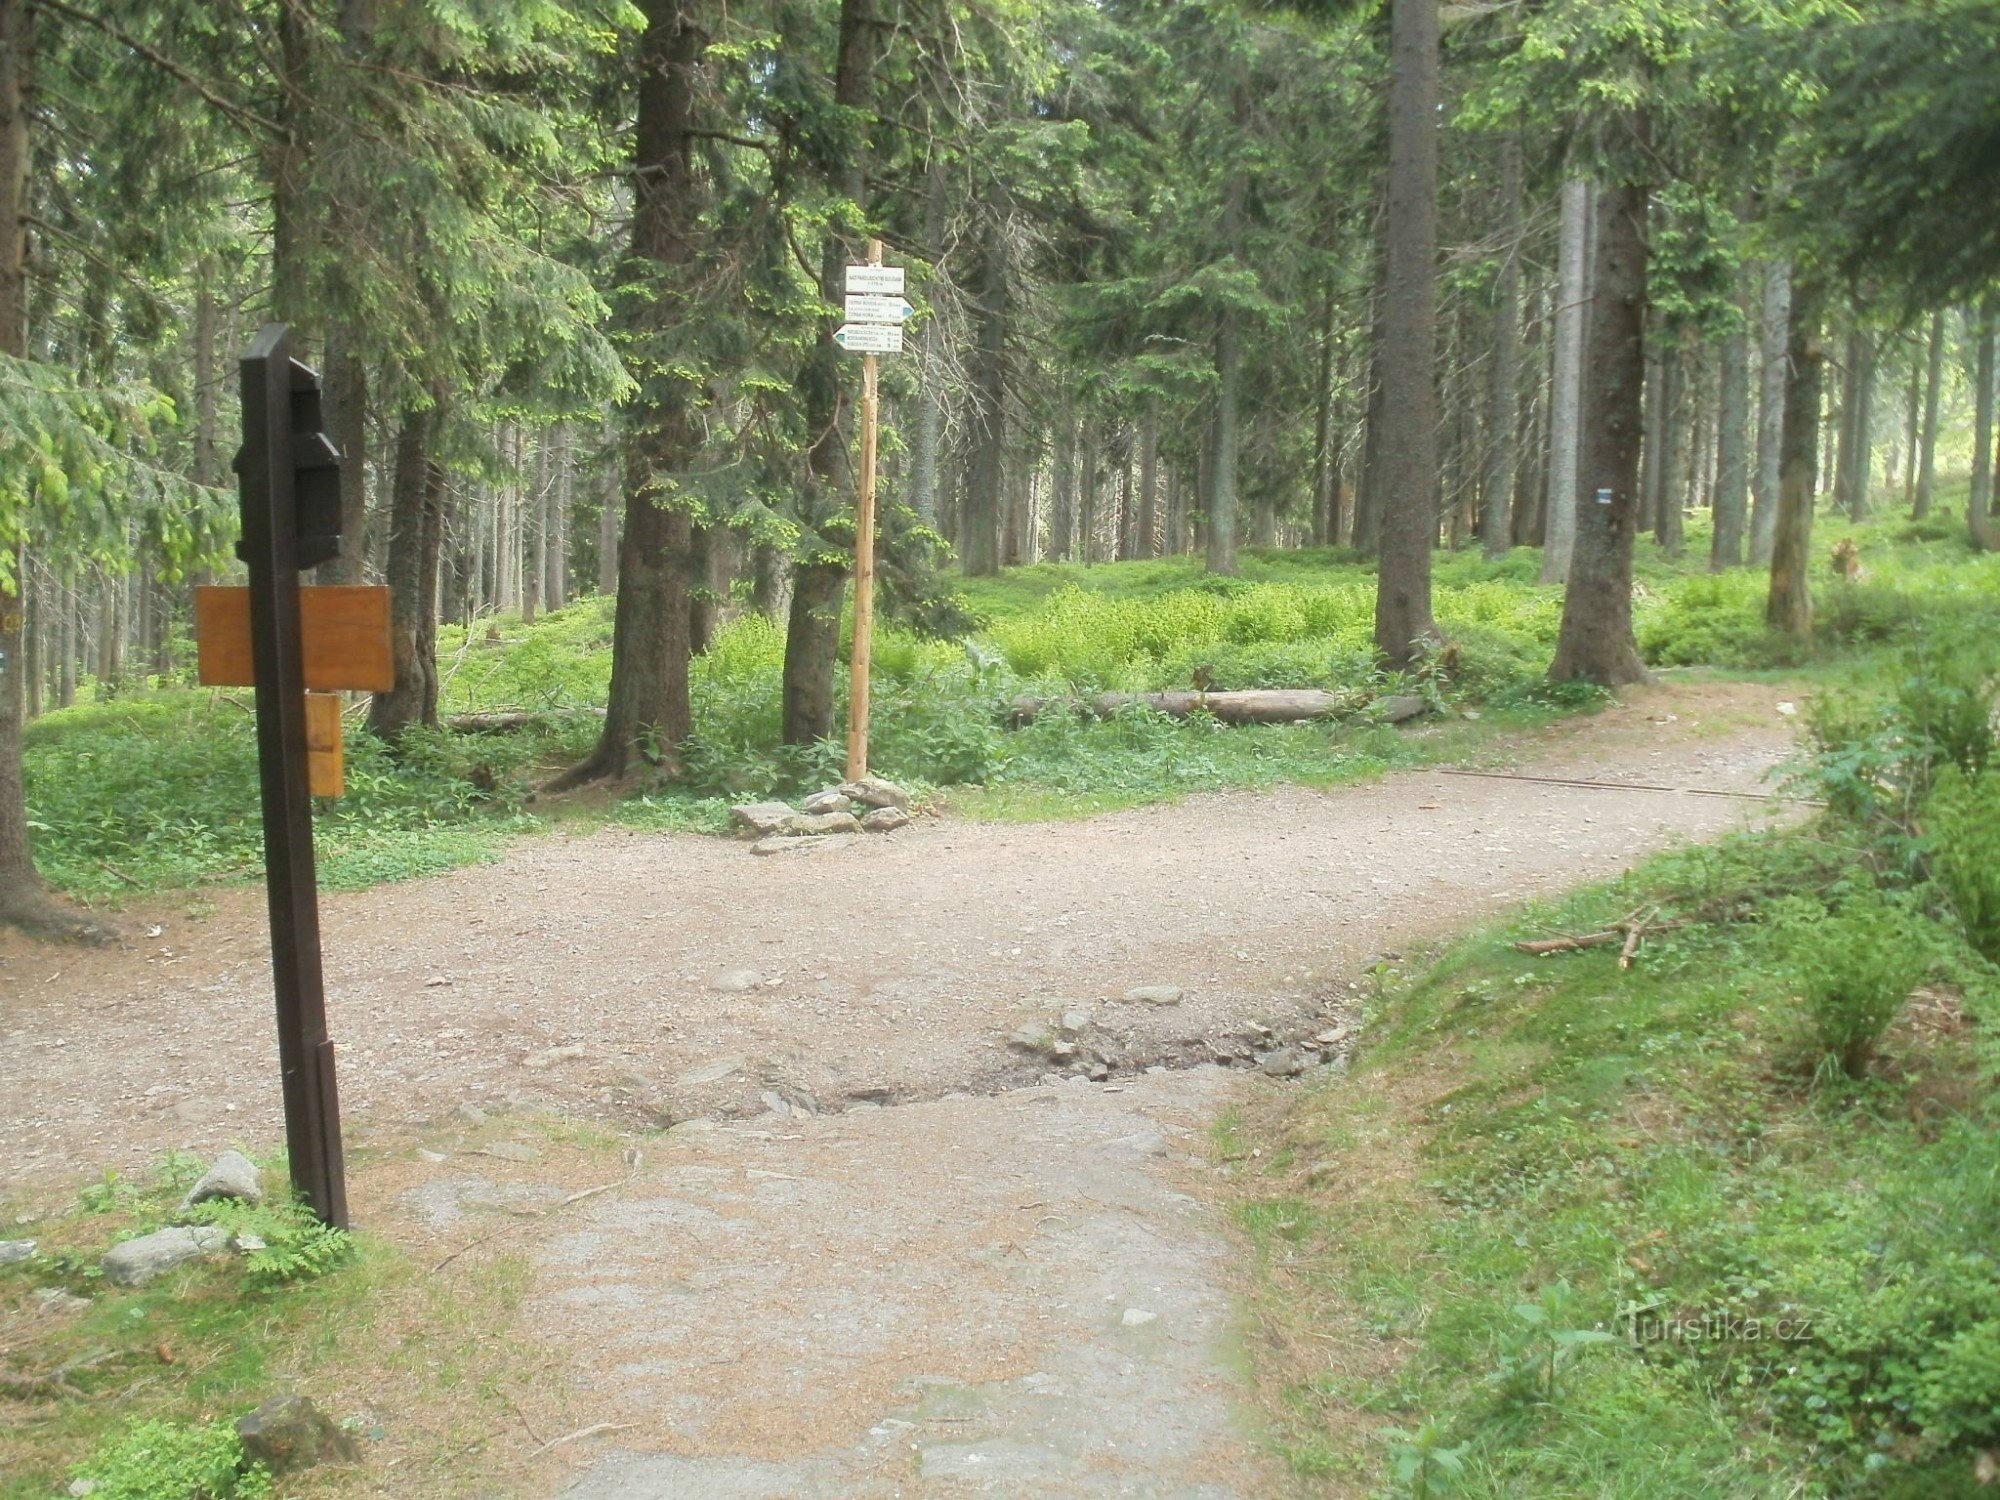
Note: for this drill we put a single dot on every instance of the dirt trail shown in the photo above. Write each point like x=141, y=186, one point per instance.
x=1006, y=1284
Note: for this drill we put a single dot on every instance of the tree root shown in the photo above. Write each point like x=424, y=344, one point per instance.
x=28, y=909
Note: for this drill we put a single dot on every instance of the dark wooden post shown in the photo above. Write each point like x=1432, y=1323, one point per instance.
x=280, y=426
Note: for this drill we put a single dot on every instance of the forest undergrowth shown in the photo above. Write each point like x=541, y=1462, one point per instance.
x=155, y=787
x=1719, y=1223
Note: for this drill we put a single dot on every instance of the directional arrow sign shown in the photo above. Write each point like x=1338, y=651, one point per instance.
x=886, y=280
x=862, y=308
x=869, y=338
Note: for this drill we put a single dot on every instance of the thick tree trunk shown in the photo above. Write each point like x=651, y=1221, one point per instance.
x=1403, y=624
x=415, y=495
x=1927, y=438
x=1772, y=380
x=1732, y=456
x=927, y=444
x=1496, y=523
x=1566, y=383
x=23, y=901
x=346, y=403
x=1789, y=607
x=647, y=714
x=1984, y=530
x=812, y=633
x=1596, y=643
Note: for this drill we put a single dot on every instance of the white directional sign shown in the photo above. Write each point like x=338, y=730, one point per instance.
x=862, y=308
x=885, y=280
x=869, y=338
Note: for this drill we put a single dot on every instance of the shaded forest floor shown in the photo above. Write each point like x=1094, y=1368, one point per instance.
x=984, y=1287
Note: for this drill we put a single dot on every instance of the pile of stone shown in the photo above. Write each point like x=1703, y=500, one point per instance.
x=136, y=1262
x=870, y=805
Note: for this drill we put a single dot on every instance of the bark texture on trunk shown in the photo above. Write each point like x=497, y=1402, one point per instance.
x=1403, y=624
x=1596, y=643
x=1496, y=521
x=1732, y=452
x=1789, y=607
x=1927, y=437
x=979, y=532
x=1669, y=520
x=1775, y=340
x=812, y=632
x=647, y=714
x=1566, y=382
x=1979, y=509
x=415, y=494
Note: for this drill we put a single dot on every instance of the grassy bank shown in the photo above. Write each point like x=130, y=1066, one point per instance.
x=1722, y=1224
x=155, y=788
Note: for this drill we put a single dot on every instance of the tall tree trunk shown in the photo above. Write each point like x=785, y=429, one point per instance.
x=1789, y=607
x=1772, y=381
x=1668, y=520
x=1324, y=527
x=346, y=404
x=1566, y=383
x=1927, y=438
x=1854, y=461
x=413, y=496
x=1596, y=643
x=23, y=902
x=1984, y=530
x=928, y=442
x=647, y=714
x=1496, y=524
x=979, y=539
x=1149, y=481
x=1732, y=455
x=1062, y=485
x=1409, y=522
x=819, y=582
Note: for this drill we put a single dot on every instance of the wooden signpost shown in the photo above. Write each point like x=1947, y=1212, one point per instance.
x=298, y=647
x=876, y=310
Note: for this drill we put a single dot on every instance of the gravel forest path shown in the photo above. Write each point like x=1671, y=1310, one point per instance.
x=902, y=1241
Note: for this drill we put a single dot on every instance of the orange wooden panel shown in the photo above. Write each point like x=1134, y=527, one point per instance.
x=326, y=763
x=346, y=638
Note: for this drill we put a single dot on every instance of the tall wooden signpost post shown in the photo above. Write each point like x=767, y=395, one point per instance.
x=298, y=646
x=875, y=313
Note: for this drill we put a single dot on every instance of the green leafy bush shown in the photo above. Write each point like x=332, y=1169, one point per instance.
x=1857, y=968
x=1963, y=817
x=172, y=1461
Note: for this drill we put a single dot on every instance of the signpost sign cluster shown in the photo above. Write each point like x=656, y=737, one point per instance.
x=875, y=312
x=299, y=647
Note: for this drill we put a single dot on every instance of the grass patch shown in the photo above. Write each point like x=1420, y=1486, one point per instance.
x=1719, y=1225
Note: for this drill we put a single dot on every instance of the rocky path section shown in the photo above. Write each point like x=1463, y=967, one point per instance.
x=643, y=979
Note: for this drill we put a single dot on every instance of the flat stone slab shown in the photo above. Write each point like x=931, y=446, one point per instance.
x=151, y=1256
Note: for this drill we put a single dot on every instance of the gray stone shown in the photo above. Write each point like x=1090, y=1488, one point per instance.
x=873, y=791
x=1036, y=1039
x=762, y=817
x=884, y=819
x=512, y=1151
x=1397, y=707
x=711, y=1072
x=151, y=1256
x=828, y=801
x=233, y=1175
x=52, y=1301
x=779, y=843
x=1155, y=994
x=13, y=1252
x=735, y=981
x=82, y=1487
x=548, y=1057
x=814, y=824
x=1282, y=1062
x=288, y=1433
x=1075, y=1022
x=1137, y=1317
x=469, y=1115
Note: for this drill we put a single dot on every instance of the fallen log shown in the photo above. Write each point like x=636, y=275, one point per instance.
x=1250, y=706
x=511, y=721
